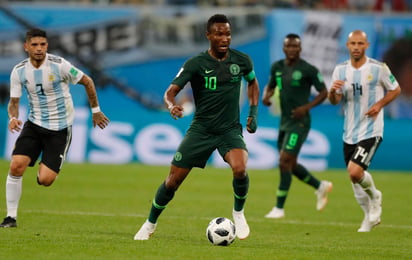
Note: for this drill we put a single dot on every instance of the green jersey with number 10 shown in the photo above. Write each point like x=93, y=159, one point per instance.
x=216, y=88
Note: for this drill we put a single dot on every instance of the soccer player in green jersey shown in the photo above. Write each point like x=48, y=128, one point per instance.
x=294, y=77
x=215, y=76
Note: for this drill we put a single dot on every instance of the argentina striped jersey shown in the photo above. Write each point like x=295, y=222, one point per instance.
x=363, y=88
x=47, y=87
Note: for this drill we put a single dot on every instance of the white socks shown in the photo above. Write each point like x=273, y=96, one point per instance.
x=13, y=194
x=368, y=185
x=361, y=197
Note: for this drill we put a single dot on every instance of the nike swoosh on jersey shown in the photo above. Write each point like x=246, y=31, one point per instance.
x=208, y=71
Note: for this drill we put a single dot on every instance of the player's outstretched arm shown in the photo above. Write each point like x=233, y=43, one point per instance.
x=176, y=111
x=98, y=117
x=13, y=110
x=253, y=95
x=388, y=98
x=267, y=94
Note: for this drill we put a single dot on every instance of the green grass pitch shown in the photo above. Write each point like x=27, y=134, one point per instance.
x=94, y=211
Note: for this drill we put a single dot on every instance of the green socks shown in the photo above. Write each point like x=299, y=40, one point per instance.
x=304, y=175
x=282, y=192
x=240, y=188
x=162, y=198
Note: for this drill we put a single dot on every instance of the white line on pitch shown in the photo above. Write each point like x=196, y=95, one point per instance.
x=294, y=222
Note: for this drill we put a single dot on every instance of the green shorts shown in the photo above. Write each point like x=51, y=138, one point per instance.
x=292, y=141
x=197, y=146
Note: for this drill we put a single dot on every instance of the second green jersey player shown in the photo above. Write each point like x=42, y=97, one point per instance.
x=294, y=78
x=215, y=77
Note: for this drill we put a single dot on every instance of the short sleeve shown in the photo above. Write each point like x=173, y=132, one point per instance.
x=388, y=79
x=249, y=71
x=317, y=79
x=70, y=72
x=272, y=79
x=184, y=75
x=15, y=85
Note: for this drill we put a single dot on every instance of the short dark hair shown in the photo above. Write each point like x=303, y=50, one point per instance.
x=292, y=36
x=217, y=18
x=35, y=32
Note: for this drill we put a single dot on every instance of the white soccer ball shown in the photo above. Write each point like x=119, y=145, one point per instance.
x=221, y=231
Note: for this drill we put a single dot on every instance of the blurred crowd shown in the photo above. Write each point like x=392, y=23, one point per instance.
x=341, y=5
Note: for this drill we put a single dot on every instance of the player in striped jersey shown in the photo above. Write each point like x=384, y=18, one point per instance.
x=46, y=79
x=364, y=86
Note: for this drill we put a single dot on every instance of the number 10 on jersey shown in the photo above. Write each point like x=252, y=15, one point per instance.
x=210, y=82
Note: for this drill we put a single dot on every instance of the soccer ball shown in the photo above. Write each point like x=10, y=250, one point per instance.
x=221, y=231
